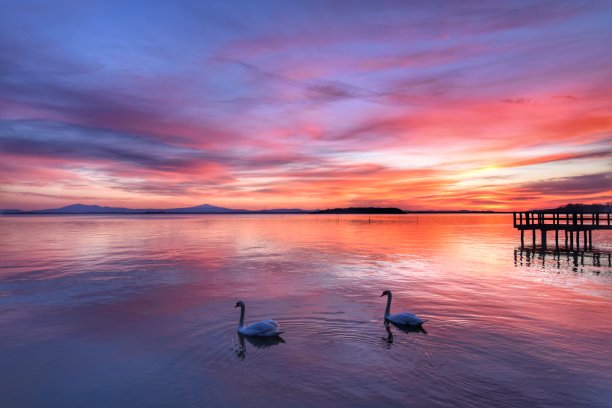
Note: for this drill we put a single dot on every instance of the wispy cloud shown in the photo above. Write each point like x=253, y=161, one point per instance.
x=437, y=105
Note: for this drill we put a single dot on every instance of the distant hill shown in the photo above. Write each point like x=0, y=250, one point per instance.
x=580, y=208
x=361, y=210
x=204, y=208
x=284, y=211
x=87, y=209
x=200, y=209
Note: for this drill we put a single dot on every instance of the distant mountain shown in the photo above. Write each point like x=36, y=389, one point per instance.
x=580, y=208
x=361, y=210
x=98, y=209
x=87, y=209
x=204, y=208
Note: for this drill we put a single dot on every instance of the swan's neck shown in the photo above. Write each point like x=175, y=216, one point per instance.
x=388, y=308
x=241, y=322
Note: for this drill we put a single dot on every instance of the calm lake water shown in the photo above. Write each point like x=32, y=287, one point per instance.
x=121, y=311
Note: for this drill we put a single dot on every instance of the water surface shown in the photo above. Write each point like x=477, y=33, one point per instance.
x=103, y=311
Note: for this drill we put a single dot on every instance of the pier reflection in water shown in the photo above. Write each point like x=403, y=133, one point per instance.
x=576, y=261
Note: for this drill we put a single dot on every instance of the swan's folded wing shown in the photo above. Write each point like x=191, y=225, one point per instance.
x=406, y=318
x=263, y=328
x=272, y=323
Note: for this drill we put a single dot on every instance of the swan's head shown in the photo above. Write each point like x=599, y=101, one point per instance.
x=386, y=293
x=240, y=303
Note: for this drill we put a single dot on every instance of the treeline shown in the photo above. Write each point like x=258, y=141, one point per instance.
x=361, y=210
x=582, y=208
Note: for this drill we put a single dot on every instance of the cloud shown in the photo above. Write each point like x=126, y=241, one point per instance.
x=519, y=101
x=588, y=184
x=559, y=157
x=44, y=139
x=330, y=91
x=303, y=103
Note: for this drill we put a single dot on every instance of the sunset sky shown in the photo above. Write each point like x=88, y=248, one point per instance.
x=314, y=104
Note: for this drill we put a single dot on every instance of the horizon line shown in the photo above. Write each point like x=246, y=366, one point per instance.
x=288, y=209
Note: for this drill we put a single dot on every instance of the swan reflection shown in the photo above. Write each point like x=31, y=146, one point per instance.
x=388, y=341
x=257, y=342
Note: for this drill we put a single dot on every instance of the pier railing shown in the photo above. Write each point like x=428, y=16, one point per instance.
x=533, y=219
x=571, y=223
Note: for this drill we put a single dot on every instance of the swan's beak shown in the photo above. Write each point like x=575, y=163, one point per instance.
x=236, y=305
x=382, y=295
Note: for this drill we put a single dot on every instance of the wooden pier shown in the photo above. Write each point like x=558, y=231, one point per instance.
x=572, y=224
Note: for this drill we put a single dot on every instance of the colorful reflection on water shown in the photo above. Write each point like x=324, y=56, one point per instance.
x=138, y=311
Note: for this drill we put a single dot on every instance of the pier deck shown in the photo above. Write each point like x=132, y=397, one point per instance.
x=573, y=224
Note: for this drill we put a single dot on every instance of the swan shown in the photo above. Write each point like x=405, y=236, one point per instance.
x=403, y=319
x=265, y=328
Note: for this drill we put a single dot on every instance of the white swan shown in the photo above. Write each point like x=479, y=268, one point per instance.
x=265, y=328
x=404, y=319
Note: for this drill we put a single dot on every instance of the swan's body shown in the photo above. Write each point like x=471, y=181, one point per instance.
x=265, y=328
x=403, y=319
